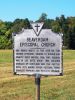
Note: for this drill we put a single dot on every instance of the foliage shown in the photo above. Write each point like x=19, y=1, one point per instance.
x=43, y=17
x=59, y=25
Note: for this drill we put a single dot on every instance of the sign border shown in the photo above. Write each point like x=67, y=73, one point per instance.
x=15, y=73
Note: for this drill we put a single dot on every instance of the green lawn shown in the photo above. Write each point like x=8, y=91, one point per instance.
x=69, y=55
x=6, y=56
x=23, y=87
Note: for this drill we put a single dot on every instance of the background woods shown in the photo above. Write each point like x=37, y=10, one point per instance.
x=59, y=25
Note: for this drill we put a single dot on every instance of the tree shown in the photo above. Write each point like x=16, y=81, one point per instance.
x=47, y=24
x=43, y=17
x=60, y=24
x=18, y=24
x=2, y=28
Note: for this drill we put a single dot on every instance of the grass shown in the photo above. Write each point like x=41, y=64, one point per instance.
x=6, y=56
x=69, y=55
x=23, y=87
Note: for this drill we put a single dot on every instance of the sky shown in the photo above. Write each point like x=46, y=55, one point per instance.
x=32, y=9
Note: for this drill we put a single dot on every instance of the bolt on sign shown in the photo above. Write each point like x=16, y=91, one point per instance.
x=37, y=51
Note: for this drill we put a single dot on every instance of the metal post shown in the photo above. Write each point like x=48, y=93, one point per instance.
x=37, y=82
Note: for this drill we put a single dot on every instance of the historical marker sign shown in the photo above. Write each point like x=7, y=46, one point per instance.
x=38, y=51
